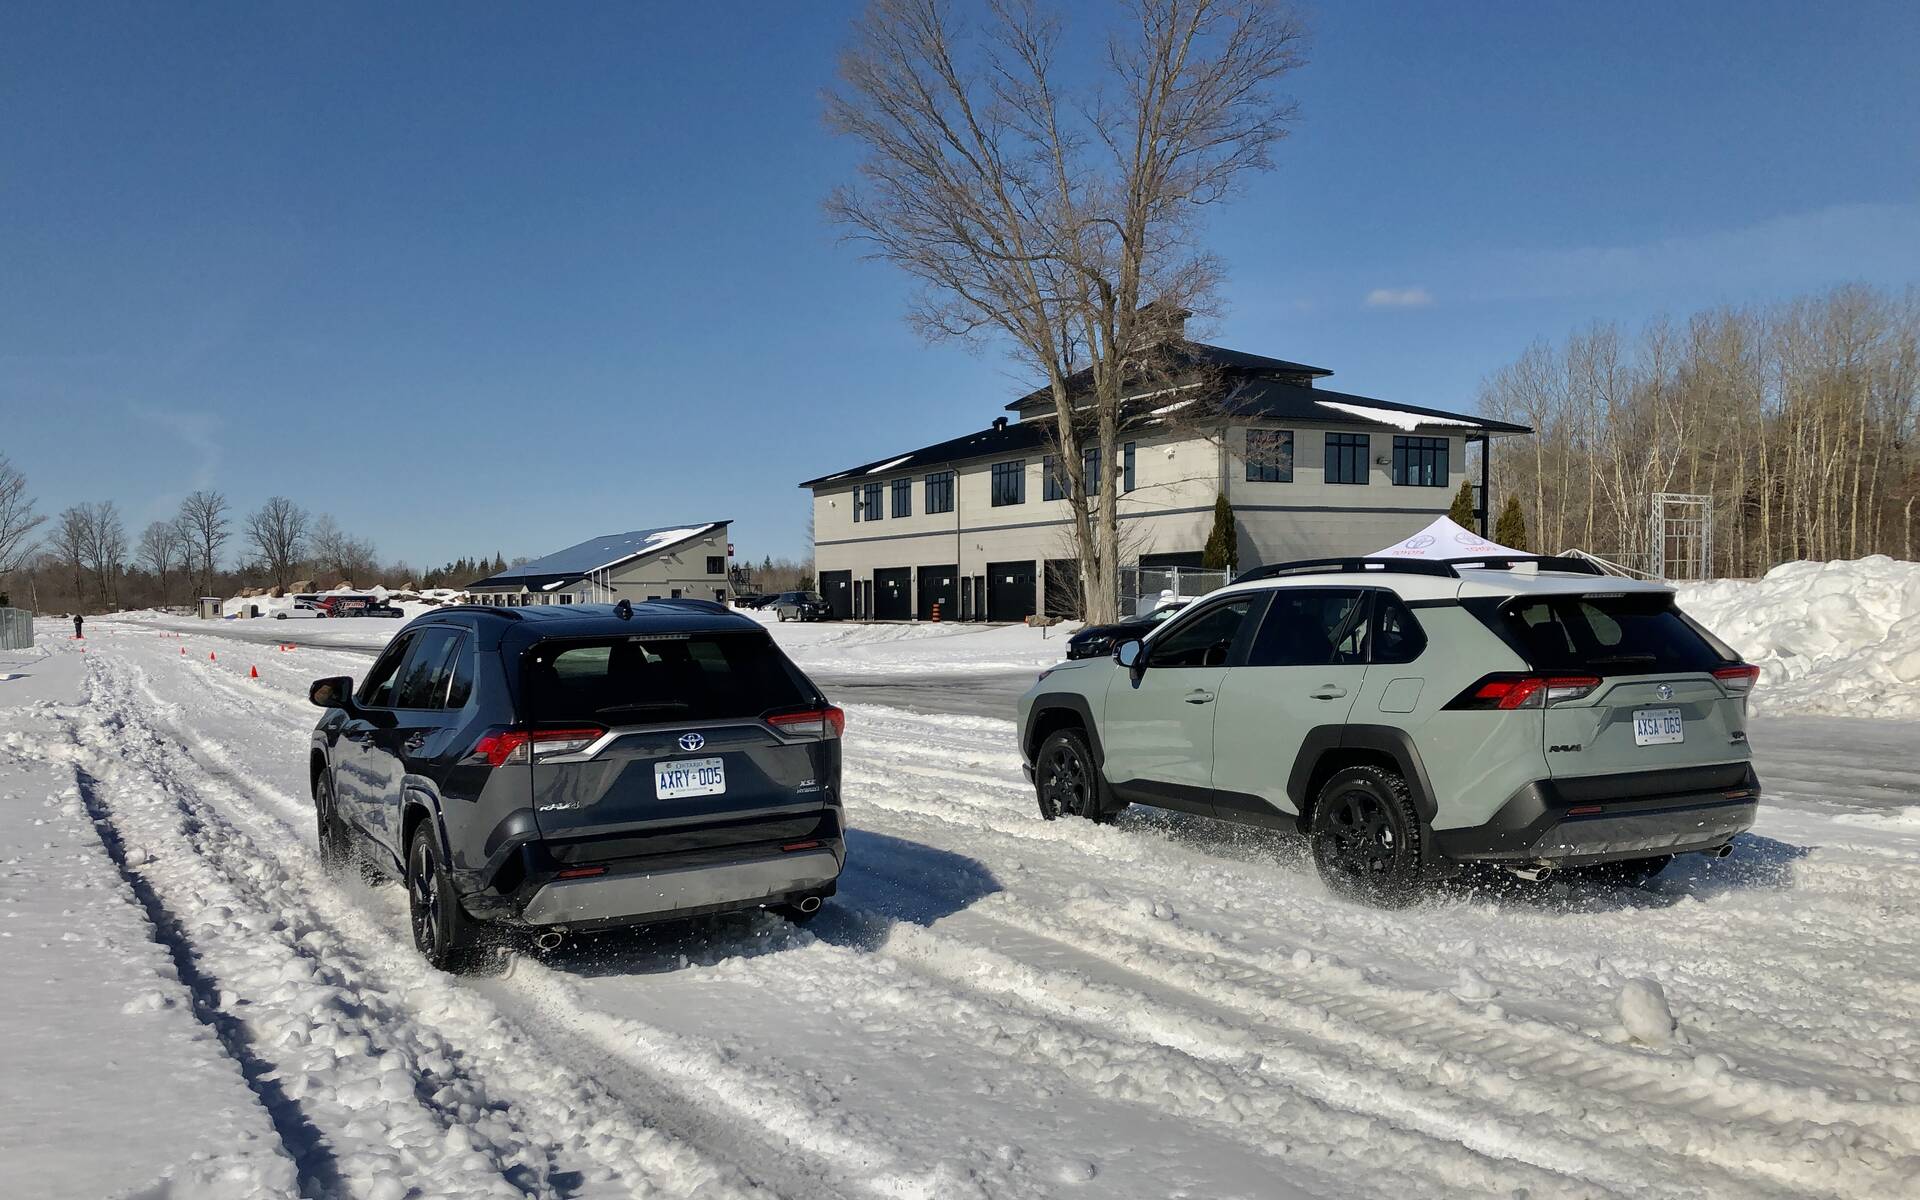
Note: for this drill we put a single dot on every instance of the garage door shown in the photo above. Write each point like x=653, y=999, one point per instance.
x=939, y=584
x=1010, y=591
x=893, y=594
x=837, y=588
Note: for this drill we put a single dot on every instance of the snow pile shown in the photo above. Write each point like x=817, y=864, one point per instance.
x=1644, y=1013
x=1841, y=638
x=852, y=647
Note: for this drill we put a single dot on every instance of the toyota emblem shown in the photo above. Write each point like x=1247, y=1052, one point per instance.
x=691, y=741
x=1663, y=691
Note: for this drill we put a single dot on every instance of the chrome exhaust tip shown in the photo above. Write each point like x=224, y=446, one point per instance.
x=1535, y=873
x=808, y=904
x=1723, y=851
x=550, y=940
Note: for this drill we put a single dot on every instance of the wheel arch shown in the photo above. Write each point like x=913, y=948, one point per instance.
x=1328, y=749
x=1054, y=711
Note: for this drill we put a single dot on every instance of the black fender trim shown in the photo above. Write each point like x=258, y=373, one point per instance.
x=1394, y=742
x=1073, y=701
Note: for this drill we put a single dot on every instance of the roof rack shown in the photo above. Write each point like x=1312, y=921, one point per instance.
x=500, y=610
x=1444, y=568
x=695, y=603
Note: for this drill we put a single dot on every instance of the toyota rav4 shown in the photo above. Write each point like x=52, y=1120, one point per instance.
x=563, y=769
x=1413, y=717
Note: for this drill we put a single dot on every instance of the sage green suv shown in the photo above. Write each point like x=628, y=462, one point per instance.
x=1413, y=717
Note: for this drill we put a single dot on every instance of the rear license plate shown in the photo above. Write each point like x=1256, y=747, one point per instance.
x=1657, y=727
x=689, y=777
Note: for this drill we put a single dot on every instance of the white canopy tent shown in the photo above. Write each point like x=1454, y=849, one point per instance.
x=1445, y=540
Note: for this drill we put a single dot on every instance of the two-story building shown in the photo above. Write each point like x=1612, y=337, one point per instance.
x=980, y=524
x=677, y=561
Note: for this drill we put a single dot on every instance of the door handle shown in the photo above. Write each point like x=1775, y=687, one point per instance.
x=1198, y=696
x=1328, y=691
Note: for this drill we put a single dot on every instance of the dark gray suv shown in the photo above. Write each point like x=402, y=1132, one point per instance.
x=574, y=768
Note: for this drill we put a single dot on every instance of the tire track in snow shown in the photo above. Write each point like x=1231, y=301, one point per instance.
x=447, y=1130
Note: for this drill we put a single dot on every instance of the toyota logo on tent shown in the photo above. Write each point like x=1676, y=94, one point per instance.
x=691, y=741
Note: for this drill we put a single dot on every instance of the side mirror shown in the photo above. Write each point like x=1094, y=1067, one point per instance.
x=334, y=692
x=1129, y=653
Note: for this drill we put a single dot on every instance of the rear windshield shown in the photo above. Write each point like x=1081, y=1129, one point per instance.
x=660, y=677
x=1607, y=635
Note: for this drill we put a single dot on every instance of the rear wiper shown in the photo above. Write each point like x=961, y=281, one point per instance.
x=656, y=704
x=1622, y=658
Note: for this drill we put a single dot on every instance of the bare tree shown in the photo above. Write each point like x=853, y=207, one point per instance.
x=160, y=551
x=105, y=548
x=72, y=534
x=278, y=532
x=17, y=518
x=1063, y=221
x=335, y=551
x=203, y=529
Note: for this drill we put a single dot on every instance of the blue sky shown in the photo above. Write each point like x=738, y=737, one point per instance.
x=486, y=277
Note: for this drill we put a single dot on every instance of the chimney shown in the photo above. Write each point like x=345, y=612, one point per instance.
x=1160, y=323
x=999, y=423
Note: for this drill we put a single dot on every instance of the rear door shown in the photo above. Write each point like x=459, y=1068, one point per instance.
x=418, y=744
x=1305, y=668
x=650, y=731
x=360, y=776
x=1655, y=702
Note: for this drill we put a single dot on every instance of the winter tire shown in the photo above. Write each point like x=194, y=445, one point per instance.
x=1365, y=837
x=336, y=843
x=1066, y=779
x=442, y=931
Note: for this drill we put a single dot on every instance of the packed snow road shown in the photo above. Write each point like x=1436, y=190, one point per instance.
x=999, y=1006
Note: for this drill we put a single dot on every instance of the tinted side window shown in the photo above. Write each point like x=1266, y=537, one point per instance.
x=1397, y=636
x=423, y=680
x=1312, y=627
x=1610, y=634
x=376, y=691
x=1204, y=639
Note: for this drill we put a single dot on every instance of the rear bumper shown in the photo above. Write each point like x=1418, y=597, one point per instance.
x=1573, y=822
x=658, y=894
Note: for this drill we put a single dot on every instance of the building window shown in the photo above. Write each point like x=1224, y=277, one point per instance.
x=940, y=492
x=1009, y=483
x=1090, y=468
x=866, y=503
x=716, y=564
x=1420, y=461
x=903, y=497
x=1053, y=481
x=1126, y=469
x=1346, y=458
x=566, y=597
x=1269, y=456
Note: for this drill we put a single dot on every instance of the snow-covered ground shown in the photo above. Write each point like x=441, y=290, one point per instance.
x=994, y=1006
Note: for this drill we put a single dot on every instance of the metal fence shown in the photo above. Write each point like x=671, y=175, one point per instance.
x=16, y=629
x=1142, y=588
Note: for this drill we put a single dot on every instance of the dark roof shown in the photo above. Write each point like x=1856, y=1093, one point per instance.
x=576, y=561
x=1188, y=357
x=1277, y=399
x=1013, y=438
x=1271, y=399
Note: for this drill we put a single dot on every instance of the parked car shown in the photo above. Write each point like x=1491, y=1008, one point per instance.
x=1096, y=641
x=304, y=608
x=751, y=600
x=1414, y=717
x=802, y=606
x=560, y=769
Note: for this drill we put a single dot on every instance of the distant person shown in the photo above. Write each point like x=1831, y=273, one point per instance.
x=77, y=622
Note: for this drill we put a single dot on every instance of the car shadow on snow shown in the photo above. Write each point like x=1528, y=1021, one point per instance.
x=1758, y=863
x=887, y=881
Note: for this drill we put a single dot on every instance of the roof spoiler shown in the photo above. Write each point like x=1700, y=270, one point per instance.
x=1445, y=569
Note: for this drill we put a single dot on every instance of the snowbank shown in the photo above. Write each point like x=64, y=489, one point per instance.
x=923, y=647
x=1830, y=637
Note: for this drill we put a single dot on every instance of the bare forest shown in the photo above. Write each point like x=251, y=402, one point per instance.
x=1797, y=420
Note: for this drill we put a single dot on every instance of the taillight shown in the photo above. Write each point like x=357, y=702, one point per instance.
x=1738, y=680
x=1507, y=692
x=504, y=746
x=826, y=723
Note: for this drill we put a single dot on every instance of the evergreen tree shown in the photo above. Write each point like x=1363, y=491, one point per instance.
x=1462, y=511
x=1511, y=530
x=1222, y=552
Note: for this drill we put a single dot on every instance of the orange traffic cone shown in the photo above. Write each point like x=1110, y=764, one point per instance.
x=210, y=657
x=253, y=672
x=183, y=652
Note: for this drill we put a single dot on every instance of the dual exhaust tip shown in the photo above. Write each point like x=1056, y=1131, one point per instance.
x=1540, y=872
x=553, y=939
x=808, y=904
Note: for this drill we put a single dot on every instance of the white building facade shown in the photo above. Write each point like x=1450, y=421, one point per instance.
x=977, y=526
x=674, y=562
